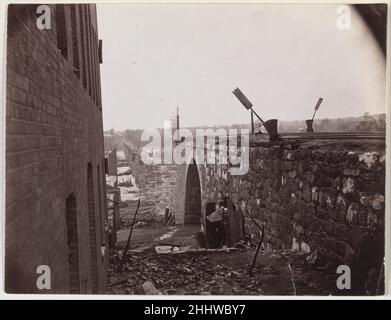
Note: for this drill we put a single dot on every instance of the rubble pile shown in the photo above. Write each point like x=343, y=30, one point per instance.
x=145, y=218
x=220, y=273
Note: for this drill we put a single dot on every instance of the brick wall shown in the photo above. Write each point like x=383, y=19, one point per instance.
x=53, y=130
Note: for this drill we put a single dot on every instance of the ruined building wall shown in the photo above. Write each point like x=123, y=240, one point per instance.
x=179, y=196
x=156, y=182
x=55, y=202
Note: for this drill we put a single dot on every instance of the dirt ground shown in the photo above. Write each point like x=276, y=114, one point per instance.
x=210, y=273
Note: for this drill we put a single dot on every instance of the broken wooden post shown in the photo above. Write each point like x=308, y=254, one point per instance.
x=130, y=235
x=166, y=215
x=250, y=271
x=252, y=122
x=262, y=229
x=253, y=220
x=116, y=217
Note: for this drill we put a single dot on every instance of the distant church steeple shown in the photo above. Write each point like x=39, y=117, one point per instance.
x=177, y=118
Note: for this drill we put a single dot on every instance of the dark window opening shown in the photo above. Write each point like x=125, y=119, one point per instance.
x=83, y=45
x=73, y=243
x=100, y=52
x=92, y=227
x=75, y=44
x=62, y=43
x=101, y=224
x=88, y=42
x=105, y=213
x=94, y=64
x=106, y=162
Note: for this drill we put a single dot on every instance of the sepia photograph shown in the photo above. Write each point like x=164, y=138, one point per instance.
x=195, y=149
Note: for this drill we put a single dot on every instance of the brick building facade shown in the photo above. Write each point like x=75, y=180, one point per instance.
x=55, y=179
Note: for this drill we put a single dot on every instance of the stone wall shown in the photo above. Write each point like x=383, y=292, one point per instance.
x=311, y=194
x=155, y=182
x=318, y=195
x=54, y=131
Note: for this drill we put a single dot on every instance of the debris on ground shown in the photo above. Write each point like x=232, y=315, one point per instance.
x=168, y=249
x=149, y=288
x=218, y=273
x=148, y=215
x=317, y=261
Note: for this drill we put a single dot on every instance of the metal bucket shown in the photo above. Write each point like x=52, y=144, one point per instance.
x=272, y=129
x=309, y=125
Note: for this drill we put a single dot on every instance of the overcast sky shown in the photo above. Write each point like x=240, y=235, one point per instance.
x=283, y=57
